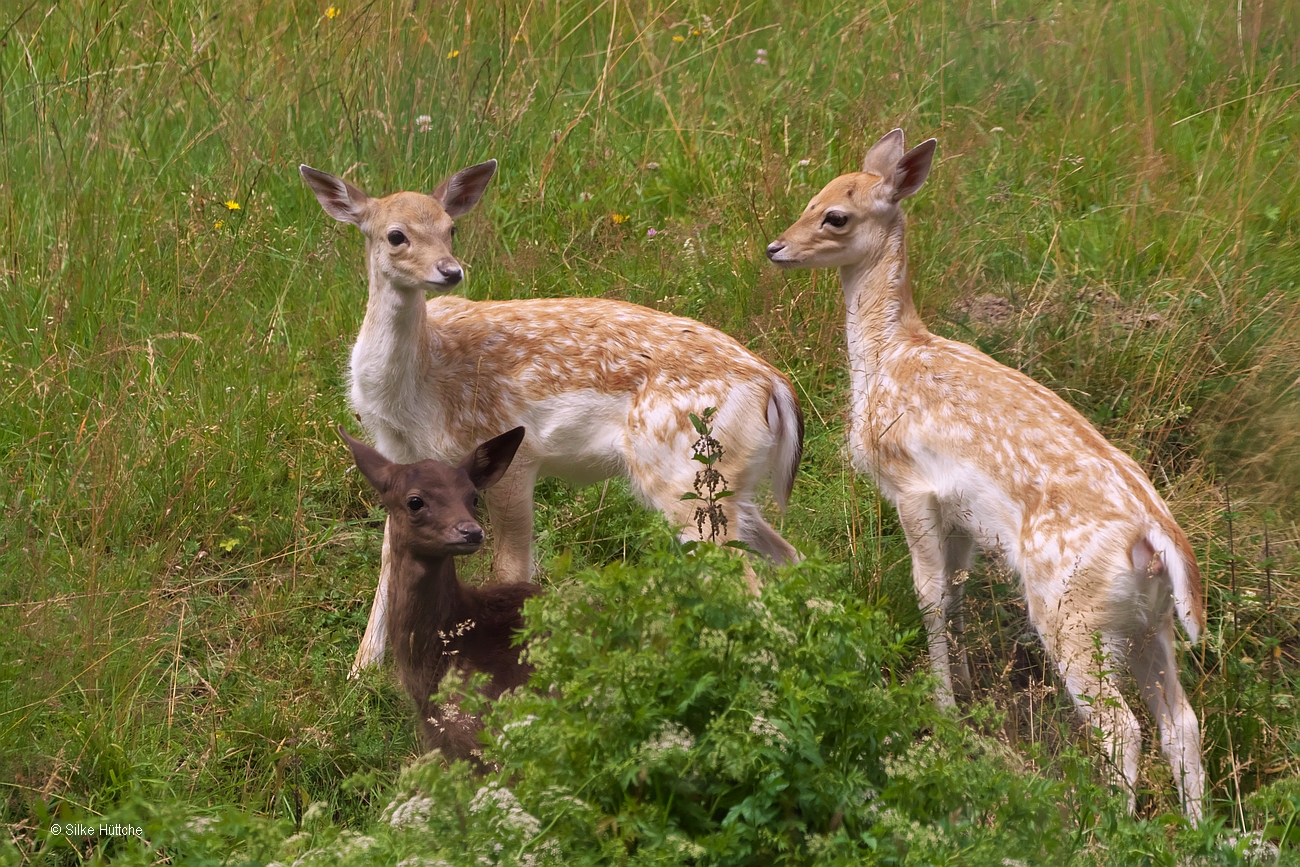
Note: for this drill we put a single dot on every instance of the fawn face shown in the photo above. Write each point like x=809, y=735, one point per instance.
x=850, y=220
x=408, y=235
x=432, y=506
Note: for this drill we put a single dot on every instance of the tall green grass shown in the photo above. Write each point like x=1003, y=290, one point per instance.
x=185, y=565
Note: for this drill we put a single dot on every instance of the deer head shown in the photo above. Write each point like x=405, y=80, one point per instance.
x=432, y=506
x=408, y=235
x=851, y=219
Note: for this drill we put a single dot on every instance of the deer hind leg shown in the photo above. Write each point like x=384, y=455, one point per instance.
x=662, y=488
x=1090, y=669
x=371, y=651
x=923, y=527
x=1155, y=668
x=759, y=534
x=510, y=510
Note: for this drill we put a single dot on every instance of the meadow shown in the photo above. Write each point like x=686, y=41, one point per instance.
x=185, y=564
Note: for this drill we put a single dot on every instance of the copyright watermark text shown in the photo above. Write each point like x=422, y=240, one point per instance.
x=76, y=829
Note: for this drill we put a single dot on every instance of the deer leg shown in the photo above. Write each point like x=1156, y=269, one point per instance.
x=1155, y=668
x=741, y=518
x=451, y=731
x=510, y=509
x=759, y=534
x=923, y=528
x=958, y=550
x=371, y=651
x=1089, y=669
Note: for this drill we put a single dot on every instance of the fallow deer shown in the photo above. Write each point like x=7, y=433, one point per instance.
x=605, y=388
x=436, y=621
x=973, y=453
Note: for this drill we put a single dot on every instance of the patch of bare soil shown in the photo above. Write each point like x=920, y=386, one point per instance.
x=987, y=309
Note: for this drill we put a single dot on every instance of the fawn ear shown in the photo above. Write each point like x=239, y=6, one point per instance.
x=490, y=461
x=374, y=466
x=461, y=192
x=884, y=154
x=913, y=169
x=341, y=200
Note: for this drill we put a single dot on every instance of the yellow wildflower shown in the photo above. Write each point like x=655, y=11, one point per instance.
x=453, y=53
x=332, y=13
x=695, y=33
x=218, y=224
x=619, y=218
x=232, y=205
x=679, y=38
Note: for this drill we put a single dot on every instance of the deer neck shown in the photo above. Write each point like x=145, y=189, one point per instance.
x=394, y=346
x=881, y=316
x=425, y=598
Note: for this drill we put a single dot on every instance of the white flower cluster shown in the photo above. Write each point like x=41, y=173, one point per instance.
x=549, y=853
x=714, y=641
x=772, y=626
x=315, y=810
x=761, y=661
x=1253, y=845
x=767, y=730
x=910, y=830
x=352, y=844
x=825, y=606
x=417, y=861
x=200, y=824
x=602, y=698
x=517, y=724
x=406, y=813
x=670, y=737
x=504, y=802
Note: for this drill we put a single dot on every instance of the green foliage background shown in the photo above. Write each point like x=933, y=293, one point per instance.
x=185, y=567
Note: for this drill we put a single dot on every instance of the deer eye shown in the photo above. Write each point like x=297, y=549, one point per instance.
x=837, y=219
x=396, y=238
x=415, y=504
x=453, y=231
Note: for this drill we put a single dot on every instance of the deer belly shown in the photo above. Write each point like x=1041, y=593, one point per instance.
x=972, y=500
x=578, y=436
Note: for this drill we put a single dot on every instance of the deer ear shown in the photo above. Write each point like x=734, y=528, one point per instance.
x=490, y=461
x=461, y=192
x=374, y=466
x=913, y=169
x=341, y=200
x=884, y=154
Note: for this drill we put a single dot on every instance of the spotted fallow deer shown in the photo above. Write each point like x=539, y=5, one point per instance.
x=604, y=388
x=973, y=453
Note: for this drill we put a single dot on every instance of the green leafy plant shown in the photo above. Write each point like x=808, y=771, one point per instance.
x=677, y=718
x=710, y=484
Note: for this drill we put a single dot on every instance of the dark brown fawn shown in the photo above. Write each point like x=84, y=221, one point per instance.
x=436, y=621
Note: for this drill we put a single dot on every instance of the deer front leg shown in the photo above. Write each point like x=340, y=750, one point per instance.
x=919, y=516
x=958, y=551
x=371, y=651
x=510, y=509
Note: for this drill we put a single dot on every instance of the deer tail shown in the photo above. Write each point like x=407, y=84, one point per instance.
x=785, y=421
x=1166, y=549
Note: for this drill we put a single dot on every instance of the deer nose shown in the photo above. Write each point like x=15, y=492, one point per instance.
x=774, y=248
x=470, y=532
x=450, y=271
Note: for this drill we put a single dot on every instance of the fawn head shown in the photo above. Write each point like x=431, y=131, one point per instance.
x=851, y=218
x=408, y=235
x=432, y=506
